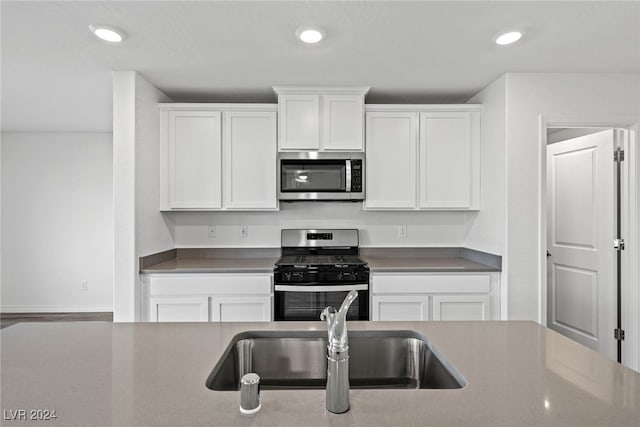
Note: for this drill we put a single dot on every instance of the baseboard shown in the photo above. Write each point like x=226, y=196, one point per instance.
x=55, y=308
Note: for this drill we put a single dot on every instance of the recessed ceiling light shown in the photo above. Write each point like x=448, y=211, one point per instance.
x=310, y=34
x=107, y=33
x=508, y=38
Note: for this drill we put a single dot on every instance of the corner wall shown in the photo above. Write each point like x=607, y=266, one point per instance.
x=140, y=229
x=489, y=231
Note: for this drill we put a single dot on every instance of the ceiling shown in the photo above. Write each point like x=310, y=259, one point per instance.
x=57, y=77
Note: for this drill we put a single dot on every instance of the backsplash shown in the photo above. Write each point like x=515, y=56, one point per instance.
x=192, y=229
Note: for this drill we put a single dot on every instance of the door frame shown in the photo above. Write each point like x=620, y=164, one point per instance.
x=630, y=187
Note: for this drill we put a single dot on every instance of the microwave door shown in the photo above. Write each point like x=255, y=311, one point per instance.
x=314, y=176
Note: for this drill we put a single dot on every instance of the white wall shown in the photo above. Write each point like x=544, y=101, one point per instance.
x=530, y=97
x=57, y=224
x=376, y=228
x=140, y=229
x=489, y=231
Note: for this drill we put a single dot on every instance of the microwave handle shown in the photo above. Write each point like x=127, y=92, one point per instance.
x=348, y=177
x=330, y=288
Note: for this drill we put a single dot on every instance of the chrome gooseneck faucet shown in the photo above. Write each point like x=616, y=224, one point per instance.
x=337, y=397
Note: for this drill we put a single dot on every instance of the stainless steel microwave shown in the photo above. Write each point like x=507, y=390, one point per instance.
x=321, y=176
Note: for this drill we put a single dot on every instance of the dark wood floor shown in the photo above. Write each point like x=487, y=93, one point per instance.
x=8, y=319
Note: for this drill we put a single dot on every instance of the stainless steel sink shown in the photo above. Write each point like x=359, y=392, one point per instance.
x=298, y=360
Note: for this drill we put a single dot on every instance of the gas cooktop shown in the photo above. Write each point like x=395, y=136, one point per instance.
x=311, y=260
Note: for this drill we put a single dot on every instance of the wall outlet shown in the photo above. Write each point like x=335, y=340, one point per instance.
x=211, y=231
x=84, y=285
x=402, y=231
x=244, y=231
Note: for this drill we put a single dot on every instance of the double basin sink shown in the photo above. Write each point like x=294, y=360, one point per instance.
x=298, y=360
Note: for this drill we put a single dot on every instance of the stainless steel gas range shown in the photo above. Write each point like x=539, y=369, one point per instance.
x=317, y=269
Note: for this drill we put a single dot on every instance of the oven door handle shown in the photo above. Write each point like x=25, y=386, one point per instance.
x=330, y=288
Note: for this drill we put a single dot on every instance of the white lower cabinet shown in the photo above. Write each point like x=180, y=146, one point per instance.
x=241, y=308
x=461, y=307
x=207, y=297
x=400, y=307
x=431, y=296
x=178, y=309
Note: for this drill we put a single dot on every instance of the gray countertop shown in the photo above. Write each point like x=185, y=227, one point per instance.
x=254, y=260
x=146, y=374
x=213, y=265
x=419, y=264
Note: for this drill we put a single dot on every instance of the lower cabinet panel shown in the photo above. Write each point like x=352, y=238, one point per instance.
x=179, y=309
x=224, y=297
x=461, y=307
x=241, y=309
x=401, y=307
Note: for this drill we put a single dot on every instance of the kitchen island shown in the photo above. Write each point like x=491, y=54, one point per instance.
x=153, y=374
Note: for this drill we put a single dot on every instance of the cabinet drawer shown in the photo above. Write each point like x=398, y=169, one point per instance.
x=207, y=284
x=430, y=283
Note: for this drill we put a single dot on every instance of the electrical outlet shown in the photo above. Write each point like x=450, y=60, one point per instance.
x=211, y=232
x=84, y=285
x=402, y=231
x=244, y=231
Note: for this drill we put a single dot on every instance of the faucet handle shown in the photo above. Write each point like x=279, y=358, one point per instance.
x=328, y=314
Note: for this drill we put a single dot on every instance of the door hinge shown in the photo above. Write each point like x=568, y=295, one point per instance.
x=618, y=244
x=618, y=155
x=618, y=334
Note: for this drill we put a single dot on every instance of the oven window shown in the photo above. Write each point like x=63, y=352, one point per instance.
x=309, y=305
x=313, y=176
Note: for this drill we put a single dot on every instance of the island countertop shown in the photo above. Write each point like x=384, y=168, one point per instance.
x=153, y=374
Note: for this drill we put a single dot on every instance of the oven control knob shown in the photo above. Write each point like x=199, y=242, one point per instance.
x=286, y=276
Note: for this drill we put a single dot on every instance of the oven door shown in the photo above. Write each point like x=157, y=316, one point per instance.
x=304, y=302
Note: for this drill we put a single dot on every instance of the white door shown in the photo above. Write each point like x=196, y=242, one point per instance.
x=580, y=234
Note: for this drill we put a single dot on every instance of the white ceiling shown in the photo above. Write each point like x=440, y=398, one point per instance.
x=57, y=77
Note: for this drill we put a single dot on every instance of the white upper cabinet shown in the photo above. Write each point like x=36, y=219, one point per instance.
x=321, y=118
x=249, y=160
x=194, y=139
x=449, y=159
x=423, y=157
x=218, y=157
x=391, y=162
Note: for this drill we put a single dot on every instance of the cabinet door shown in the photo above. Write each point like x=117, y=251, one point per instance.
x=195, y=159
x=241, y=308
x=342, y=122
x=249, y=147
x=391, y=140
x=461, y=307
x=179, y=309
x=400, y=307
x=449, y=159
x=299, y=127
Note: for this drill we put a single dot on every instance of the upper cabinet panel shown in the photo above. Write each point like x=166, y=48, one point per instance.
x=440, y=172
x=218, y=157
x=449, y=155
x=249, y=147
x=299, y=122
x=195, y=159
x=321, y=118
